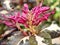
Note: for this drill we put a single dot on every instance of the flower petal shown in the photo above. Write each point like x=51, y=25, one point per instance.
x=8, y=23
x=42, y=9
x=25, y=9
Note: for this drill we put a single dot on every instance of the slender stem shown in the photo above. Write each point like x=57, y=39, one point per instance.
x=18, y=26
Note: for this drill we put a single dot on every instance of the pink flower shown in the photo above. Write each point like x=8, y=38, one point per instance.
x=8, y=23
x=25, y=9
x=13, y=19
x=39, y=14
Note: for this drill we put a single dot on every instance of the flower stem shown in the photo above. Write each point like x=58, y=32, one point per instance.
x=30, y=18
x=20, y=29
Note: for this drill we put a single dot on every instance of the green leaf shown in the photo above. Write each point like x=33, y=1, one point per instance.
x=2, y=28
x=32, y=40
x=46, y=36
x=57, y=15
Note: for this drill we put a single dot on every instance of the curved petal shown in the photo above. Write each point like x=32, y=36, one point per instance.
x=45, y=17
x=37, y=21
x=25, y=9
x=38, y=10
x=8, y=23
x=24, y=15
x=42, y=9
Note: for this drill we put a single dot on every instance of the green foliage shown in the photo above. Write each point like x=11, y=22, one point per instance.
x=32, y=40
x=57, y=15
x=2, y=28
x=46, y=36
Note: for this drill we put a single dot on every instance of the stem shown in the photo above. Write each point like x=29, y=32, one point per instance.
x=18, y=26
x=30, y=18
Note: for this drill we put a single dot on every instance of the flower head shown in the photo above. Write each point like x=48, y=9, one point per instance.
x=29, y=18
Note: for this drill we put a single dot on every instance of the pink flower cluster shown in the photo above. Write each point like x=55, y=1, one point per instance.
x=39, y=13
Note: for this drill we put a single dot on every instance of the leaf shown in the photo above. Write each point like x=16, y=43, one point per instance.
x=2, y=28
x=57, y=15
x=46, y=36
x=32, y=40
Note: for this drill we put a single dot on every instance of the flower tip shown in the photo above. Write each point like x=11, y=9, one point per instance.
x=41, y=3
x=26, y=5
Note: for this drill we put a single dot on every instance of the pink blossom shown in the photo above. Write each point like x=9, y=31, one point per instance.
x=39, y=14
x=25, y=9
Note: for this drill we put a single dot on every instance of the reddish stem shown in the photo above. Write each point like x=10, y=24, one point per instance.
x=18, y=26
